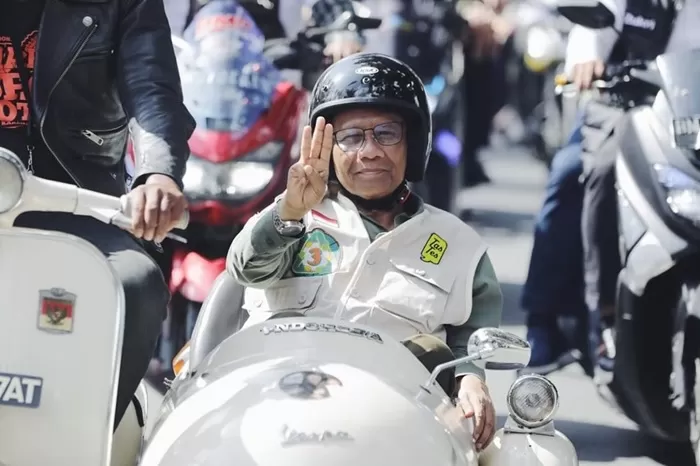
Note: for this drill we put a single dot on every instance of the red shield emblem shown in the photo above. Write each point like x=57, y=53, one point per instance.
x=56, y=311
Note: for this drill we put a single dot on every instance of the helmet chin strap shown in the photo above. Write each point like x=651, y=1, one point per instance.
x=383, y=204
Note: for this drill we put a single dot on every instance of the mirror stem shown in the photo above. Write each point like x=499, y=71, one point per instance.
x=483, y=354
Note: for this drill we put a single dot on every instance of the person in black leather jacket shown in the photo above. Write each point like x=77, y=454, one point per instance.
x=78, y=78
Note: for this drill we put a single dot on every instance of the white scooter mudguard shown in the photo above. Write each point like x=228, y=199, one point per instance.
x=520, y=449
x=60, y=339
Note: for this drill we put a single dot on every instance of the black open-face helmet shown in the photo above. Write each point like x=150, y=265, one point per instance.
x=376, y=80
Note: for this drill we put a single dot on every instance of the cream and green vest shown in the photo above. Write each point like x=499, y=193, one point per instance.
x=413, y=279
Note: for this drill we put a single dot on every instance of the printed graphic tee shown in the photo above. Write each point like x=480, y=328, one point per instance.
x=19, y=25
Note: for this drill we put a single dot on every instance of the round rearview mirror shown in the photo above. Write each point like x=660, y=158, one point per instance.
x=500, y=350
x=12, y=177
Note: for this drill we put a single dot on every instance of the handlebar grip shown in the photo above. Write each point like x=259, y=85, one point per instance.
x=181, y=224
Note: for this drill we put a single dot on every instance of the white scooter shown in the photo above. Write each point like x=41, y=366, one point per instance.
x=61, y=332
x=315, y=392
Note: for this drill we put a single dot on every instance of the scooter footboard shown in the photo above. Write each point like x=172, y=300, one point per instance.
x=60, y=338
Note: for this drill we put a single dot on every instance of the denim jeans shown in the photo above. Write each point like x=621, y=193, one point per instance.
x=554, y=286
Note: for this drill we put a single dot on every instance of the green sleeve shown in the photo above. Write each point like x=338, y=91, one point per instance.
x=259, y=256
x=487, y=307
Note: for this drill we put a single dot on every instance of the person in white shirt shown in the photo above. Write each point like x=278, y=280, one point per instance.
x=643, y=30
x=348, y=240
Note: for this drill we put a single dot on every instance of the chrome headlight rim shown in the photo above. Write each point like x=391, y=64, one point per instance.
x=519, y=419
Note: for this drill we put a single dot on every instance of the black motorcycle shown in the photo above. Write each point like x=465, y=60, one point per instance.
x=657, y=331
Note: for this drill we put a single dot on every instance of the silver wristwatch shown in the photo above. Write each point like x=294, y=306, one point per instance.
x=289, y=228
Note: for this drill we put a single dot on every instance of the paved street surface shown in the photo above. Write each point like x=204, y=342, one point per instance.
x=503, y=213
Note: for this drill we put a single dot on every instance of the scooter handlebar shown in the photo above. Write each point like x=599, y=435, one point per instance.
x=21, y=192
x=614, y=74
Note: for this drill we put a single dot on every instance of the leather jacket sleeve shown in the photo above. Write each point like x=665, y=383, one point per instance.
x=150, y=90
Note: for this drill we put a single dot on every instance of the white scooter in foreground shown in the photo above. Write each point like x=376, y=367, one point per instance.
x=61, y=332
x=308, y=391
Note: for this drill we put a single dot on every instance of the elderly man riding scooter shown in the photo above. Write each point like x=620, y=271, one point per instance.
x=349, y=240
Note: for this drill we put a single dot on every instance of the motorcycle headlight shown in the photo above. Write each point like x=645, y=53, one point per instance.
x=246, y=178
x=682, y=192
x=233, y=180
x=542, y=48
x=532, y=400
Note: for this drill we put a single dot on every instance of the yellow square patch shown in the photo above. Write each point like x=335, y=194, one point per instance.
x=434, y=249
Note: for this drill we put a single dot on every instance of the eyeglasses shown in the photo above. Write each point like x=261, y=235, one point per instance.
x=353, y=139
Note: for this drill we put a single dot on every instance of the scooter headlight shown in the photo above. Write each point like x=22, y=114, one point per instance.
x=12, y=176
x=682, y=192
x=532, y=400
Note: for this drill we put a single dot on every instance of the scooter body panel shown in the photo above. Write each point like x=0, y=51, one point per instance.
x=64, y=309
x=516, y=449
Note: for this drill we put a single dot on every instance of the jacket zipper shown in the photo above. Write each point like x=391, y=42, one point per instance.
x=78, y=47
x=93, y=137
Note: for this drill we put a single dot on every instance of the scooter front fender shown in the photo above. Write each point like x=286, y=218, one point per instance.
x=522, y=449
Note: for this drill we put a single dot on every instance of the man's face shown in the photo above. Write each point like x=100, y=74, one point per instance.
x=369, y=153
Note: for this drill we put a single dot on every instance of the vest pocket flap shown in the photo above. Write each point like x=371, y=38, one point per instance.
x=288, y=294
x=440, y=277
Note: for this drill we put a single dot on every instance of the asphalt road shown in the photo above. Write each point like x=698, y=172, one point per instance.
x=503, y=213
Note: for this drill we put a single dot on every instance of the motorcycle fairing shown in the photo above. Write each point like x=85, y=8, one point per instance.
x=274, y=123
x=664, y=237
x=655, y=245
x=279, y=123
x=241, y=105
x=74, y=420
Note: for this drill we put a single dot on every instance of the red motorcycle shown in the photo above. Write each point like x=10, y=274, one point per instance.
x=247, y=120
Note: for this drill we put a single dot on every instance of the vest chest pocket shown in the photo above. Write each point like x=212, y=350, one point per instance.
x=416, y=294
x=290, y=294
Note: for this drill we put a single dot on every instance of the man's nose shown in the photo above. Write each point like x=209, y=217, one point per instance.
x=371, y=149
